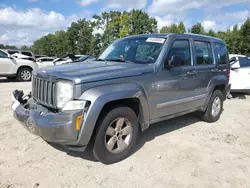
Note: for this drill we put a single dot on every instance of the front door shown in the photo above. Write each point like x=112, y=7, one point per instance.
x=5, y=63
x=173, y=89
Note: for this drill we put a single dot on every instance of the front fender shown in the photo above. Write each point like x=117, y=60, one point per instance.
x=99, y=96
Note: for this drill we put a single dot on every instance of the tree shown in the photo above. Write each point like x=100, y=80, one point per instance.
x=115, y=24
x=198, y=29
x=245, y=38
x=141, y=23
x=62, y=44
x=170, y=29
x=24, y=47
x=45, y=45
x=79, y=36
x=173, y=28
x=2, y=46
x=211, y=33
x=181, y=28
x=96, y=45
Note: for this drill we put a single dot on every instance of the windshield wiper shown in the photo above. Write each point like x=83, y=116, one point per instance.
x=118, y=60
x=101, y=60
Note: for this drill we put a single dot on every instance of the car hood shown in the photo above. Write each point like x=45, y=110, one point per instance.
x=92, y=71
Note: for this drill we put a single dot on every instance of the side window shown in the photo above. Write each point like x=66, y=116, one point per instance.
x=221, y=53
x=27, y=53
x=203, y=53
x=244, y=62
x=3, y=55
x=180, y=49
x=11, y=52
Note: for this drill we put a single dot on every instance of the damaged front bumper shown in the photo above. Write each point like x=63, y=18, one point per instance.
x=56, y=127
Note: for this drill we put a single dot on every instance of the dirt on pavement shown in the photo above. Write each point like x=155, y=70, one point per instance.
x=182, y=153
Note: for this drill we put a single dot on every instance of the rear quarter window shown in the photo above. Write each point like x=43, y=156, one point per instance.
x=27, y=53
x=221, y=54
x=11, y=52
x=244, y=62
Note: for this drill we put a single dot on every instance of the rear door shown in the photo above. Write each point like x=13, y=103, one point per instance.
x=205, y=66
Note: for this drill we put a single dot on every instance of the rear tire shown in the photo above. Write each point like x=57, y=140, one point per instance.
x=24, y=74
x=214, y=108
x=116, y=135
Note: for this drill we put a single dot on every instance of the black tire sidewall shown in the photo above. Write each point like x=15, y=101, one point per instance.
x=100, y=151
x=208, y=115
x=19, y=74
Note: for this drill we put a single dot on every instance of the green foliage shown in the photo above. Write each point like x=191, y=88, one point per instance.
x=141, y=23
x=198, y=29
x=211, y=33
x=245, y=38
x=82, y=36
x=181, y=28
x=173, y=28
x=2, y=46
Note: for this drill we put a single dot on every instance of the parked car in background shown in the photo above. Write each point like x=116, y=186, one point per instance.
x=136, y=82
x=70, y=58
x=240, y=74
x=24, y=52
x=235, y=55
x=38, y=56
x=21, y=56
x=13, y=67
x=45, y=62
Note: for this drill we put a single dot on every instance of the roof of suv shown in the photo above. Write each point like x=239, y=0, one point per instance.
x=165, y=35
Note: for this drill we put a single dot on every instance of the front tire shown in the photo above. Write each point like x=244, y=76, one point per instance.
x=24, y=74
x=214, y=108
x=117, y=132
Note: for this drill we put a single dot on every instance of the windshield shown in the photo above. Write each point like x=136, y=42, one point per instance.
x=136, y=50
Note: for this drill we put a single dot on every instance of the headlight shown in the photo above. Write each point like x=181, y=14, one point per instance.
x=64, y=92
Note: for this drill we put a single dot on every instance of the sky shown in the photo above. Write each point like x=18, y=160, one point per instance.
x=24, y=21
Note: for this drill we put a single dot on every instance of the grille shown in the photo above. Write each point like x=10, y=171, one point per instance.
x=43, y=91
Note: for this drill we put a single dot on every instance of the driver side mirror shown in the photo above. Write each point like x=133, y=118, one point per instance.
x=233, y=60
x=175, y=61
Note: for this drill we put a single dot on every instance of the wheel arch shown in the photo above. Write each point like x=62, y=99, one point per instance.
x=219, y=82
x=104, y=97
x=24, y=66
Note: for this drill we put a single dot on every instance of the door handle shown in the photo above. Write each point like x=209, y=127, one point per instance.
x=215, y=70
x=191, y=72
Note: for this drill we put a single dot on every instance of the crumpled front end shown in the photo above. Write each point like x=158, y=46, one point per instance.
x=57, y=127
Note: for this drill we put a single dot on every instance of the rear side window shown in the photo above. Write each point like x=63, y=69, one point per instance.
x=11, y=52
x=203, y=53
x=221, y=52
x=180, y=48
x=244, y=62
x=27, y=53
